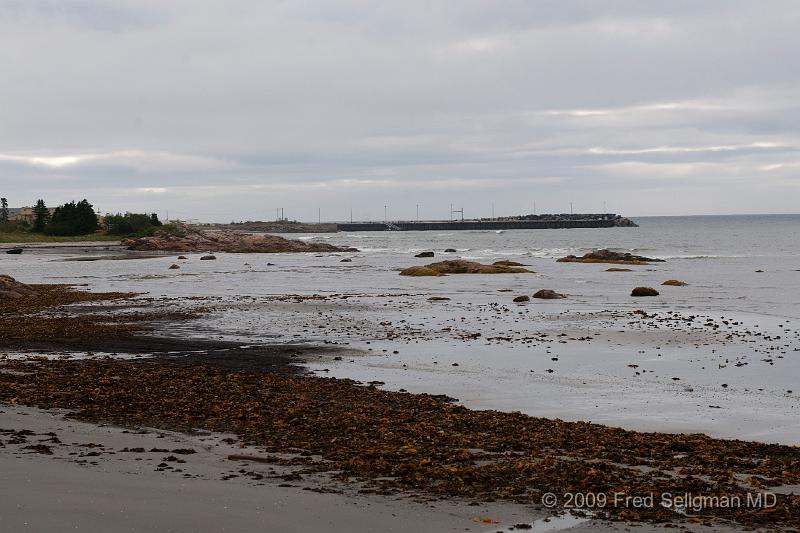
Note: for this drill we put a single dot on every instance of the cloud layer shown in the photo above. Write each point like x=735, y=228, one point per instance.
x=227, y=110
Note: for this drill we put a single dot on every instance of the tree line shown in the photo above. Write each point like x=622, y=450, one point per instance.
x=79, y=218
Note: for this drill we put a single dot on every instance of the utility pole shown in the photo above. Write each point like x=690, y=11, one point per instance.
x=351, y=215
x=534, y=207
x=417, y=212
x=570, y=208
x=492, y=210
x=451, y=212
x=319, y=215
x=385, y=211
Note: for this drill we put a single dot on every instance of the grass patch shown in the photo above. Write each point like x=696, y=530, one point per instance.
x=25, y=237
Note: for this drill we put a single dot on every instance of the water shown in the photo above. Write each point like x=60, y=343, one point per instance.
x=505, y=368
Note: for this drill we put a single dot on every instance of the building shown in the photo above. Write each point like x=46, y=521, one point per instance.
x=24, y=214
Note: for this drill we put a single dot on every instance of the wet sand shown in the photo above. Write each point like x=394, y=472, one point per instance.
x=90, y=484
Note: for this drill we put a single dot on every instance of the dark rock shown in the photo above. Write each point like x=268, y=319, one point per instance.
x=607, y=256
x=450, y=250
x=548, y=294
x=14, y=251
x=460, y=266
x=207, y=258
x=173, y=266
x=523, y=298
x=675, y=283
x=644, y=291
x=424, y=254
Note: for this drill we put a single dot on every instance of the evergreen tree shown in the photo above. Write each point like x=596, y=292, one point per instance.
x=3, y=210
x=73, y=219
x=41, y=217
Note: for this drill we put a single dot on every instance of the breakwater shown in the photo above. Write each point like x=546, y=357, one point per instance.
x=478, y=225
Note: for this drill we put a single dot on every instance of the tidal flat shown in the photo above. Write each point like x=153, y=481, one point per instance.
x=439, y=390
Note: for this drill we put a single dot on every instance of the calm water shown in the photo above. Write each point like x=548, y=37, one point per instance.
x=676, y=383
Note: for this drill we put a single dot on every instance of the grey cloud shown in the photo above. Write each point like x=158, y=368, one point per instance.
x=334, y=103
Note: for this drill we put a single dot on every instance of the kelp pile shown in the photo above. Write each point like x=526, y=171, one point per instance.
x=42, y=314
x=400, y=441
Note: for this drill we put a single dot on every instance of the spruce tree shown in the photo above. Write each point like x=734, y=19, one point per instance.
x=41, y=217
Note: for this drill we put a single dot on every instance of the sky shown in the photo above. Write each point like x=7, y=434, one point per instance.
x=223, y=111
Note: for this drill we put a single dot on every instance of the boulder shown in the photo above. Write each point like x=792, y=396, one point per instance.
x=523, y=298
x=450, y=250
x=181, y=257
x=14, y=251
x=424, y=254
x=420, y=271
x=173, y=266
x=607, y=256
x=438, y=299
x=346, y=260
x=616, y=269
x=548, y=294
x=13, y=289
x=644, y=291
x=208, y=258
x=460, y=266
x=675, y=283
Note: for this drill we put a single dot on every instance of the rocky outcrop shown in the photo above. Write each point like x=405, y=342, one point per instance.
x=644, y=291
x=623, y=222
x=617, y=269
x=424, y=254
x=607, y=256
x=521, y=299
x=548, y=294
x=13, y=289
x=225, y=241
x=460, y=266
x=420, y=271
x=675, y=283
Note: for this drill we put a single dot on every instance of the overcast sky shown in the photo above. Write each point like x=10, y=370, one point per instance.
x=226, y=110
